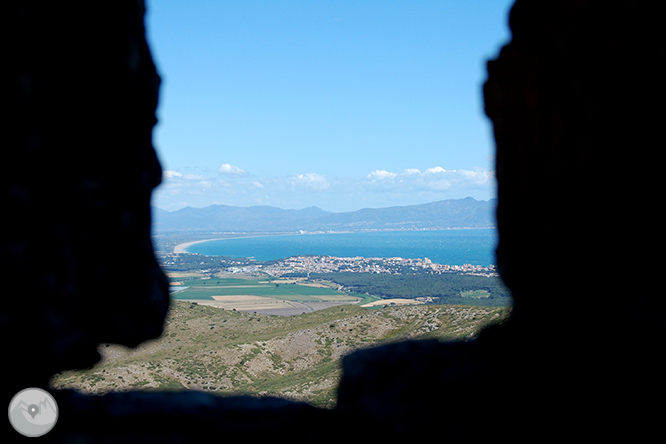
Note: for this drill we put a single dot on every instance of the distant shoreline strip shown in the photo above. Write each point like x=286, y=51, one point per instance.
x=182, y=248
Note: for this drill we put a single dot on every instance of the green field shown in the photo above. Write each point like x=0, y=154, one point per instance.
x=475, y=294
x=205, y=289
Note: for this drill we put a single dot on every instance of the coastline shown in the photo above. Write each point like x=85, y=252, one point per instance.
x=182, y=247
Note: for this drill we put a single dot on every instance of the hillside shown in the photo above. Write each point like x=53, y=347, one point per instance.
x=225, y=351
x=228, y=218
x=452, y=213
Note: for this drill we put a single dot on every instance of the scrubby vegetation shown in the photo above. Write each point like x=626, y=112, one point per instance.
x=231, y=352
x=445, y=288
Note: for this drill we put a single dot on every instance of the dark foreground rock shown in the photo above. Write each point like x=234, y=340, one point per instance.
x=187, y=416
x=572, y=100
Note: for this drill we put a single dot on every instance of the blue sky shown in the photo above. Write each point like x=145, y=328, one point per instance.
x=337, y=104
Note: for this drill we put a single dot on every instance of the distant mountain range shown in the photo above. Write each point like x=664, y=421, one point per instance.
x=451, y=213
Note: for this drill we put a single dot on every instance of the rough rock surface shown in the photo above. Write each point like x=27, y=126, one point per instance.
x=78, y=90
x=570, y=98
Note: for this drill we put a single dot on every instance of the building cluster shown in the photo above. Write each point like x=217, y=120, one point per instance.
x=394, y=265
x=303, y=265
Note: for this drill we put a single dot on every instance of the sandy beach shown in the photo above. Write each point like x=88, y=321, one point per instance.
x=182, y=248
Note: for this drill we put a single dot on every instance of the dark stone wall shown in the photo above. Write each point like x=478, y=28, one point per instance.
x=572, y=100
x=78, y=92
x=572, y=103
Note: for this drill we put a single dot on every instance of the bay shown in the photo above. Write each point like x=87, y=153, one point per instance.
x=449, y=247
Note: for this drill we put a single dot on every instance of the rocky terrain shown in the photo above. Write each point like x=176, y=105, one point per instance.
x=231, y=352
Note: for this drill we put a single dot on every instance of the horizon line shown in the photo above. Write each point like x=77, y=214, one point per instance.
x=314, y=206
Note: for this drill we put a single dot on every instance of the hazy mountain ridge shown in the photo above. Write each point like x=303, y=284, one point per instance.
x=451, y=213
x=228, y=218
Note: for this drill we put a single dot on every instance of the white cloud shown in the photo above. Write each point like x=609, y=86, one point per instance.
x=312, y=181
x=378, y=175
x=198, y=188
x=477, y=176
x=195, y=177
x=167, y=174
x=439, y=178
x=232, y=170
x=435, y=170
x=432, y=179
x=175, y=181
x=175, y=176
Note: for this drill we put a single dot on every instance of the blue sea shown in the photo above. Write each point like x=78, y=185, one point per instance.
x=452, y=247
